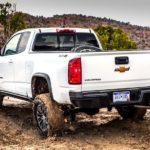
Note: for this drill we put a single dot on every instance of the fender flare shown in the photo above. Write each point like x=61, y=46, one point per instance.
x=48, y=80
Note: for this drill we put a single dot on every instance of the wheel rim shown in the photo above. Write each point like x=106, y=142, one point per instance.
x=41, y=117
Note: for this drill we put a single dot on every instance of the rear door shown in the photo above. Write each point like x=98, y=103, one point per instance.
x=115, y=70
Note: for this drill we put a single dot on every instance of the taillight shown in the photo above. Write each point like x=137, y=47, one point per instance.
x=65, y=31
x=74, y=71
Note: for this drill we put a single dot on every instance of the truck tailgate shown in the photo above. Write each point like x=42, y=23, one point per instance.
x=112, y=70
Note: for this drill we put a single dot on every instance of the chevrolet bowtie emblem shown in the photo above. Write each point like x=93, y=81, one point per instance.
x=122, y=69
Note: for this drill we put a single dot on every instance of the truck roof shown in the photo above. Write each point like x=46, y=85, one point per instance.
x=57, y=29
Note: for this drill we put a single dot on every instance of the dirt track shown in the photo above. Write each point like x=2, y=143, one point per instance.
x=104, y=131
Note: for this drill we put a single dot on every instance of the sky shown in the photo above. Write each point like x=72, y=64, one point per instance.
x=137, y=12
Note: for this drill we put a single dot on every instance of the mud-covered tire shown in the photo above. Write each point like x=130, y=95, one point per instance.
x=1, y=100
x=48, y=116
x=127, y=112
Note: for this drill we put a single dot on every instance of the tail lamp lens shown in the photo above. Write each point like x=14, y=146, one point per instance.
x=74, y=71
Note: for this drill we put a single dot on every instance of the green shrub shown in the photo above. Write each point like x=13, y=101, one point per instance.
x=114, y=38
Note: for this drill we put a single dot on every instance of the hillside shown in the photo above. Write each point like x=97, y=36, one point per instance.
x=140, y=34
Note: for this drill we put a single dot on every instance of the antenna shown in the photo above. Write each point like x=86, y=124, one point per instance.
x=64, y=23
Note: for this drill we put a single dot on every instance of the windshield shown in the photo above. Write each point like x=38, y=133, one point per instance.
x=63, y=41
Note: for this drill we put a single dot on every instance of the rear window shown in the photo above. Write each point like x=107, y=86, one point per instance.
x=86, y=39
x=63, y=41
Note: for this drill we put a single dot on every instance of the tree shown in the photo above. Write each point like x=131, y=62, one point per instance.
x=10, y=19
x=5, y=11
x=17, y=22
x=114, y=38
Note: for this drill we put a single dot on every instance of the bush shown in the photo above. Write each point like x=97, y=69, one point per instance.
x=114, y=38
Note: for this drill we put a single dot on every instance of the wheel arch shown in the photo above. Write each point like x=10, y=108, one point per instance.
x=46, y=78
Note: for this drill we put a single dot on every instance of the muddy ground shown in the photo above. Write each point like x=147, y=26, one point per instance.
x=104, y=131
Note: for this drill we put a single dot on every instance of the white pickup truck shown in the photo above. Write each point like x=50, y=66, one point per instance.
x=64, y=71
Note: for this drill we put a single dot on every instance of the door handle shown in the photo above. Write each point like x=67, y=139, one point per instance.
x=121, y=60
x=10, y=61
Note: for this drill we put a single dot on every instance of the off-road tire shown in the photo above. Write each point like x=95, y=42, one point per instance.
x=130, y=112
x=48, y=116
x=1, y=100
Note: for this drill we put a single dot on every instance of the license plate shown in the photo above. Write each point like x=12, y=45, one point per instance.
x=121, y=96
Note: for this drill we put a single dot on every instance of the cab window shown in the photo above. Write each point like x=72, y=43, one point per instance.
x=17, y=44
x=11, y=46
x=23, y=42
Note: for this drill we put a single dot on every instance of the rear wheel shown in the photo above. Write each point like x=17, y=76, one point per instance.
x=48, y=116
x=131, y=112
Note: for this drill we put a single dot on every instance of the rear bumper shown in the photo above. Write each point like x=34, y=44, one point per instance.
x=100, y=99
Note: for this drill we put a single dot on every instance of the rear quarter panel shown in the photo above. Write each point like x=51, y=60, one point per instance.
x=55, y=65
